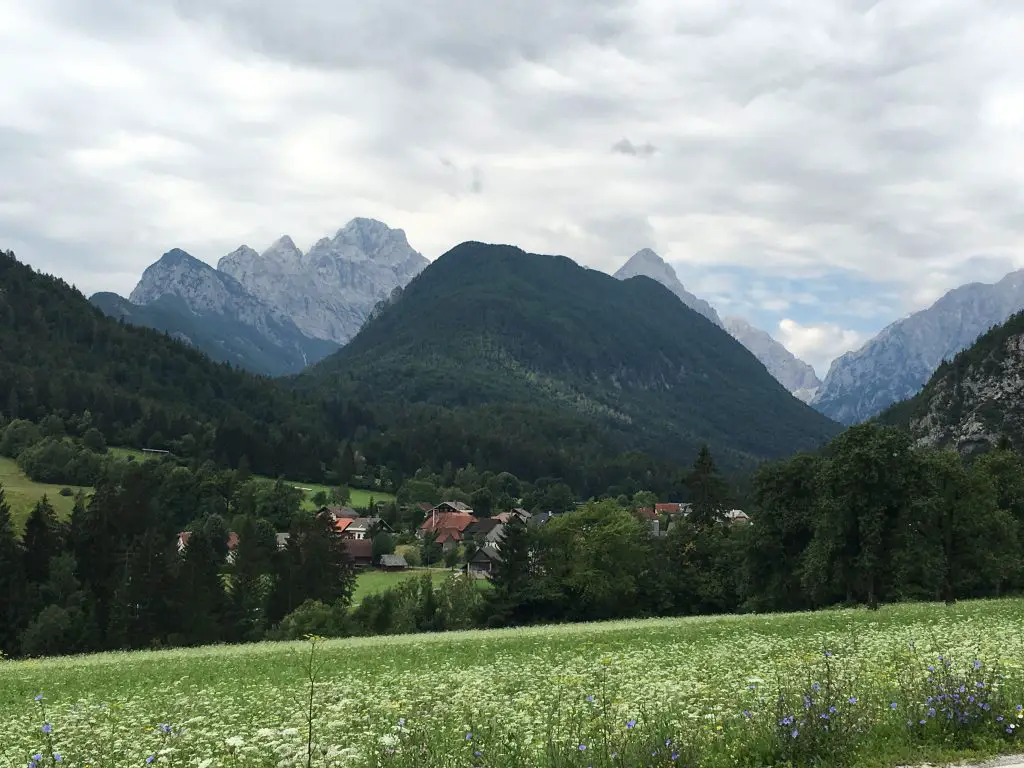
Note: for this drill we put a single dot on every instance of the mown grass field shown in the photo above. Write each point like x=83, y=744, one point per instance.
x=372, y=582
x=578, y=693
x=23, y=494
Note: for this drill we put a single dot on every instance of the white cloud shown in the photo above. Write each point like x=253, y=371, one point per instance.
x=818, y=344
x=876, y=139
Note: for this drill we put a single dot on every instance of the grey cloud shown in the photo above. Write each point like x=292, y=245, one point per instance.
x=791, y=138
x=626, y=147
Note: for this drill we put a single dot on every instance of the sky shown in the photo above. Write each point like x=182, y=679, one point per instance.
x=820, y=168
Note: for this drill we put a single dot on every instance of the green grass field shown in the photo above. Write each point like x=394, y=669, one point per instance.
x=703, y=690
x=23, y=494
x=372, y=582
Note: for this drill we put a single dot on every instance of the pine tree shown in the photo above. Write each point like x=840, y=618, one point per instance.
x=201, y=590
x=42, y=541
x=511, y=595
x=346, y=464
x=12, y=581
x=709, y=493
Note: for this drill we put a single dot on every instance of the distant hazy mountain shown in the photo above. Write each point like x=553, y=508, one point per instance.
x=974, y=401
x=898, y=362
x=649, y=264
x=330, y=291
x=792, y=372
x=210, y=310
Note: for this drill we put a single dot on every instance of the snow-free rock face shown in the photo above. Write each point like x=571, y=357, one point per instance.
x=211, y=310
x=330, y=291
x=898, y=362
x=649, y=264
x=793, y=373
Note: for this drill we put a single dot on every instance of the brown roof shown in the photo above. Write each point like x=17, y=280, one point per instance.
x=448, y=534
x=359, y=549
x=646, y=513
x=667, y=507
x=442, y=520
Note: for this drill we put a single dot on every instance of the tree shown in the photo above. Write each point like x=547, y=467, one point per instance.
x=509, y=600
x=94, y=441
x=482, y=502
x=383, y=544
x=42, y=541
x=345, y=466
x=201, y=590
x=709, y=493
x=12, y=581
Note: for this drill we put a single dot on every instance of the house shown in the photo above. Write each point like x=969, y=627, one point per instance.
x=457, y=521
x=393, y=563
x=449, y=538
x=361, y=552
x=341, y=525
x=522, y=514
x=451, y=506
x=482, y=563
x=646, y=513
x=541, y=518
x=365, y=527
x=737, y=517
x=669, y=508
x=489, y=530
x=339, y=512
x=282, y=540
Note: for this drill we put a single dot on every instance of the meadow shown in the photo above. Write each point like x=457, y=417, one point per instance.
x=23, y=493
x=372, y=582
x=860, y=688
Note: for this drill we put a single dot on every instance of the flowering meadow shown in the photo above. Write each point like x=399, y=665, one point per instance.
x=828, y=688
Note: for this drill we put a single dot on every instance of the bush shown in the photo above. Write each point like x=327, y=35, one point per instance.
x=18, y=436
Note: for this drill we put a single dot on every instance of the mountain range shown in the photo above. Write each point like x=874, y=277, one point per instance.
x=898, y=362
x=975, y=401
x=534, y=348
x=274, y=312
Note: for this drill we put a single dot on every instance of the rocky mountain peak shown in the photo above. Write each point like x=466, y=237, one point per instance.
x=649, y=264
x=283, y=249
x=174, y=267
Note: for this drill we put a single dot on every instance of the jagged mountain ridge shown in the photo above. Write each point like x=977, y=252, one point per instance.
x=898, y=362
x=278, y=311
x=191, y=301
x=974, y=400
x=330, y=291
x=794, y=374
x=491, y=335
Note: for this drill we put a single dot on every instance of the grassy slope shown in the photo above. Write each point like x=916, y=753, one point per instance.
x=22, y=493
x=681, y=668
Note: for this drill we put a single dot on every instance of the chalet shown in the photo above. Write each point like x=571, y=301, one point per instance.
x=505, y=517
x=489, y=530
x=393, y=563
x=670, y=508
x=339, y=512
x=439, y=522
x=541, y=518
x=482, y=563
x=737, y=517
x=361, y=552
x=451, y=506
x=449, y=538
x=365, y=527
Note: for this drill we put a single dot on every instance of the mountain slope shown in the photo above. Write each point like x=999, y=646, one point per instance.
x=59, y=354
x=329, y=292
x=897, y=362
x=649, y=264
x=193, y=302
x=537, y=344
x=792, y=372
x=973, y=400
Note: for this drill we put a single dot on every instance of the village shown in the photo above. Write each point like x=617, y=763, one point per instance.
x=451, y=534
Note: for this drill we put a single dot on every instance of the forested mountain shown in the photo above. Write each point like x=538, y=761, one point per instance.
x=974, y=401
x=548, y=364
x=61, y=355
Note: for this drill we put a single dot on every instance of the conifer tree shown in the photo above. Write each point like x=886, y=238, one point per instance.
x=12, y=580
x=42, y=541
x=201, y=591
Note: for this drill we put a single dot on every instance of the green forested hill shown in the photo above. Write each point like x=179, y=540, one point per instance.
x=59, y=354
x=503, y=350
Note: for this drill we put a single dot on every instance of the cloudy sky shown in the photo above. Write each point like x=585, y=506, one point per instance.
x=820, y=168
